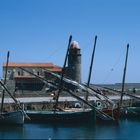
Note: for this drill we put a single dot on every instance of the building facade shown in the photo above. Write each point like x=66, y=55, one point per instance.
x=26, y=81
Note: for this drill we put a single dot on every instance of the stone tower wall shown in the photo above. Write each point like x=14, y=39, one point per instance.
x=74, y=64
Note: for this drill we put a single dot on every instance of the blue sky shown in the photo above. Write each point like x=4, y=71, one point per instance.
x=38, y=31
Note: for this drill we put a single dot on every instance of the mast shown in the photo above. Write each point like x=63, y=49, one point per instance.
x=90, y=70
x=5, y=77
x=62, y=74
x=5, y=89
x=124, y=74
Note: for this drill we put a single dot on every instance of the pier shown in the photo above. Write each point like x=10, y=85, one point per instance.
x=61, y=99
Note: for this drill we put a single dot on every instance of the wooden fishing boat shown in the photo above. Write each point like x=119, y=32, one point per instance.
x=113, y=113
x=66, y=115
x=15, y=117
x=10, y=117
x=131, y=111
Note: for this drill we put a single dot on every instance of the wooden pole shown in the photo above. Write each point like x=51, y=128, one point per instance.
x=62, y=74
x=5, y=77
x=90, y=69
x=124, y=74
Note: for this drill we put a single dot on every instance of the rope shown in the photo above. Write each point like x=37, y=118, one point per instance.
x=113, y=67
x=52, y=53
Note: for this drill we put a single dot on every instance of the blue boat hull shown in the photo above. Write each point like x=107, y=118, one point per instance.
x=14, y=118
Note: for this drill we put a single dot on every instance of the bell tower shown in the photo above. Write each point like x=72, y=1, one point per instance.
x=74, y=62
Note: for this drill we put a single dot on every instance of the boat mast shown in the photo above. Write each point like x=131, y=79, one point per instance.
x=62, y=74
x=6, y=89
x=5, y=77
x=124, y=74
x=90, y=70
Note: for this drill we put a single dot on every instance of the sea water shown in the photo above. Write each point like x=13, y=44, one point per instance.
x=124, y=129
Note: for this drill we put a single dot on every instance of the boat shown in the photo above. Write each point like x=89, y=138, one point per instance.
x=132, y=108
x=131, y=111
x=66, y=115
x=107, y=106
x=10, y=117
x=14, y=117
x=112, y=112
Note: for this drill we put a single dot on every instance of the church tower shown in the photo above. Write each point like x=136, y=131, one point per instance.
x=74, y=62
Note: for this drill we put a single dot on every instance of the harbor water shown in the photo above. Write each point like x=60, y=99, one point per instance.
x=124, y=129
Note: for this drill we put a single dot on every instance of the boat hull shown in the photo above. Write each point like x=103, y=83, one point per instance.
x=113, y=113
x=61, y=116
x=16, y=117
x=131, y=112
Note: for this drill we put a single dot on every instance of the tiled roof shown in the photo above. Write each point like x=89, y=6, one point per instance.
x=55, y=69
x=29, y=64
x=49, y=66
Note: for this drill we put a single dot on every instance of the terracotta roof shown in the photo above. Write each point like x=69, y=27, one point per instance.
x=28, y=64
x=49, y=66
x=55, y=69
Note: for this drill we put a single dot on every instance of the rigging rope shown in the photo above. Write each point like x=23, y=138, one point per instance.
x=53, y=52
x=113, y=67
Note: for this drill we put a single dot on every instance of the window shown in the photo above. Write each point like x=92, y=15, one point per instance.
x=38, y=73
x=19, y=73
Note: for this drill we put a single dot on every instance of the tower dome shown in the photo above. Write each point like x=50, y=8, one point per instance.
x=74, y=45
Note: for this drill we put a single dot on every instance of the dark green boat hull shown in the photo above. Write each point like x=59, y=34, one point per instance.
x=61, y=116
x=131, y=112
